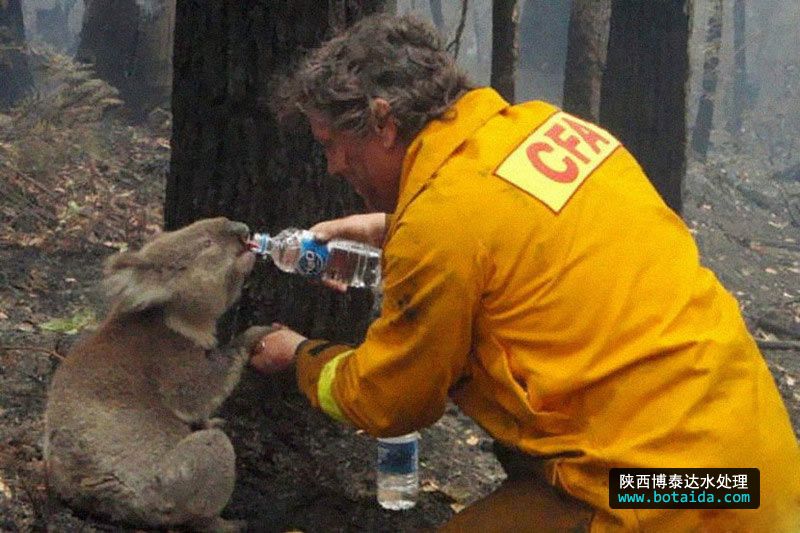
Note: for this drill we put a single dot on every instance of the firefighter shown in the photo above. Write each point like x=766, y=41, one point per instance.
x=534, y=277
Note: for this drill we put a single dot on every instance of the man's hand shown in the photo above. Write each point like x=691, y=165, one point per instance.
x=275, y=351
x=369, y=229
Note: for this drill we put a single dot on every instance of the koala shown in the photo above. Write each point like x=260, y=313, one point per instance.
x=128, y=428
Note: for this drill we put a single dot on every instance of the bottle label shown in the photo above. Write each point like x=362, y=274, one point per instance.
x=313, y=256
x=398, y=458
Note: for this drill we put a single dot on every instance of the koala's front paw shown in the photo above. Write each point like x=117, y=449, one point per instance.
x=250, y=338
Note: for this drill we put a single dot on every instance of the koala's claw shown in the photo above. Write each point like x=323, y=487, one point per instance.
x=250, y=338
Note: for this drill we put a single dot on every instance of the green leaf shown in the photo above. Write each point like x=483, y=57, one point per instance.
x=72, y=325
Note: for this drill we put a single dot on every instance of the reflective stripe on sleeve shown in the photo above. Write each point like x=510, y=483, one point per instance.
x=325, y=387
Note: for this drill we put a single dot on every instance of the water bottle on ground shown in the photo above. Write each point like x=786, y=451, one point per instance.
x=352, y=263
x=398, y=471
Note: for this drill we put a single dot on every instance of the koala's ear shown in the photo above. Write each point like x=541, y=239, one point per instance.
x=124, y=260
x=127, y=282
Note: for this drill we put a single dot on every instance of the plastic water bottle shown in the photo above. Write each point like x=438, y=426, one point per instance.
x=398, y=471
x=294, y=250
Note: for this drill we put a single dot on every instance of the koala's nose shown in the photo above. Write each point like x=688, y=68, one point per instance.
x=239, y=229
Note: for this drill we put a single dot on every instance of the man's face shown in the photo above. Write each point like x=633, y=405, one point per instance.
x=371, y=163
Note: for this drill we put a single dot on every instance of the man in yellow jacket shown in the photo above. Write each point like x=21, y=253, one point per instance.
x=533, y=276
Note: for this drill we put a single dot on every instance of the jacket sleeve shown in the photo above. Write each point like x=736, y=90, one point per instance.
x=398, y=379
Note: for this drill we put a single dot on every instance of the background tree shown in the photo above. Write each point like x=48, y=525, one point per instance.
x=52, y=24
x=504, y=46
x=230, y=157
x=739, y=98
x=542, y=49
x=15, y=76
x=129, y=43
x=704, y=123
x=586, y=56
x=644, y=88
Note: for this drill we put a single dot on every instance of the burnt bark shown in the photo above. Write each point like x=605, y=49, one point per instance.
x=704, y=123
x=586, y=56
x=15, y=74
x=130, y=45
x=230, y=157
x=644, y=88
x=504, y=47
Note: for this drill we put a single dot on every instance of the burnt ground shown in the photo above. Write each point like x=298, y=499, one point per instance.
x=75, y=191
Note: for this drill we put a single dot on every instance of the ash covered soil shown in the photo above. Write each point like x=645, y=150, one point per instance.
x=74, y=191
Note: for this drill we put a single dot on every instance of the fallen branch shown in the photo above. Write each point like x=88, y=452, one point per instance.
x=34, y=183
x=778, y=329
x=777, y=244
x=778, y=345
x=42, y=349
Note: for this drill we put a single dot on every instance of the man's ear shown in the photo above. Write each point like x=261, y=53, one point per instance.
x=383, y=121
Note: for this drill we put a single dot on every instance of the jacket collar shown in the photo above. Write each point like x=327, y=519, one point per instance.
x=440, y=138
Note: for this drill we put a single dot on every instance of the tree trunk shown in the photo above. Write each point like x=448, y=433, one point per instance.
x=231, y=158
x=15, y=75
x=504, y=46
x=153, y=64
x=130, y=45
x=586, y=56
x=644, y=88
x=739, y=102
x=704, y=123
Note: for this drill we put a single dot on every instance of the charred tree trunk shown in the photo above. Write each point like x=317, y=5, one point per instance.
x=644, y=88
x=586, y=57
x=230, y=157
x=15, y=75
x=504, y=47
x=153, y=64
x=739, y=102
x=704, y=123
x=130, y=45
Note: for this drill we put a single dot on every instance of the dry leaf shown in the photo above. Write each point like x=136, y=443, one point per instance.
x=429, y=485
x=457, y=507
x=4, y=490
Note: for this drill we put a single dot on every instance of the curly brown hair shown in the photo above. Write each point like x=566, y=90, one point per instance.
x=399, y=59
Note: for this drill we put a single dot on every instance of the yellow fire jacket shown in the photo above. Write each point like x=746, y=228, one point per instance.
x=534, y=276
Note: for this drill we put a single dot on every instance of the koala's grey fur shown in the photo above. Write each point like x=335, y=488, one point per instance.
x=124, y=408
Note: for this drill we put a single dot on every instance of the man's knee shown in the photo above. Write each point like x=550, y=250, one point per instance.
x=523, y=505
